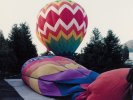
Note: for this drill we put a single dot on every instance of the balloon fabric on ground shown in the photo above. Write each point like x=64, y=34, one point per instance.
x=61, y=26
x=56, y=76
x=110, y=85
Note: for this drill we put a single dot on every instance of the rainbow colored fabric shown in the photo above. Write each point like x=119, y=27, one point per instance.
x=56, y=76
x=61, y=26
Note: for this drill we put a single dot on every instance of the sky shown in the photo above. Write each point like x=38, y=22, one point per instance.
x=116, y=15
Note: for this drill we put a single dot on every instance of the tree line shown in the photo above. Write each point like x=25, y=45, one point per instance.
x=103, y=53
x=100, y=54
x=15, y=50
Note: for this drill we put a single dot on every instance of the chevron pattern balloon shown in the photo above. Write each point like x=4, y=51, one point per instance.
x=61, y=26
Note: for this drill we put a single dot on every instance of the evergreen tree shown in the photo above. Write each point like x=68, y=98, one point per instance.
x=2, y=39
x=20, y=41
x=78, y=57
x=96, y=36
x=113, y=56
x=92, y=54
x=125, y=53
x=7, y=58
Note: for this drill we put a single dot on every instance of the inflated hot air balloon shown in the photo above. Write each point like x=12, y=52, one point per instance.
x=61, y=26
x=56, y=76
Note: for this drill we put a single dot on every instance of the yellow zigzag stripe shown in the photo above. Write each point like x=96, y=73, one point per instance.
x=61, y=34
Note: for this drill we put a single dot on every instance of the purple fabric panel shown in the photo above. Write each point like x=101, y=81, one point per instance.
x=84, y=70
x=48, y=88
x=66, y=75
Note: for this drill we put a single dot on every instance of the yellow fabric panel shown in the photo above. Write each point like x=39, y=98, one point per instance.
x=37, y=65
x=71, y=66
x=34, y=85
x=33, y=67
x=47, y=70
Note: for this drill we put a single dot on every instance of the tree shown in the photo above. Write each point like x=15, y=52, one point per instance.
x=125, y=53
x=78, y=57
x=7, y=57
x=113, y=55
x=92, y=55
x=20, y=41
x=2, y=39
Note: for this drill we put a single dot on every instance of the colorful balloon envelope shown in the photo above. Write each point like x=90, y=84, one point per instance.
x=61, y=26
x=56, y=76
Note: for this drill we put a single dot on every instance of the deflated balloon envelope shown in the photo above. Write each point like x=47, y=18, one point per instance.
x=56, y=76
x=61, y=26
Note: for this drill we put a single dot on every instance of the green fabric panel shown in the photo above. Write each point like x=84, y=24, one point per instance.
x=63, y=45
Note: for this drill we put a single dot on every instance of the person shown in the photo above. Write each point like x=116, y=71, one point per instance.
x=111, y=85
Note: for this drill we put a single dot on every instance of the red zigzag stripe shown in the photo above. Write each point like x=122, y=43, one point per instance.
x=64, y=30
x=66, y=18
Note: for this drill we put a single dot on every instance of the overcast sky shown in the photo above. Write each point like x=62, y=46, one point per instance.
x=103, y=14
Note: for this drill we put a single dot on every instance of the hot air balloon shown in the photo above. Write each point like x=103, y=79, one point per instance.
x=61, y=26
x=56, y=76
x=111, y=85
